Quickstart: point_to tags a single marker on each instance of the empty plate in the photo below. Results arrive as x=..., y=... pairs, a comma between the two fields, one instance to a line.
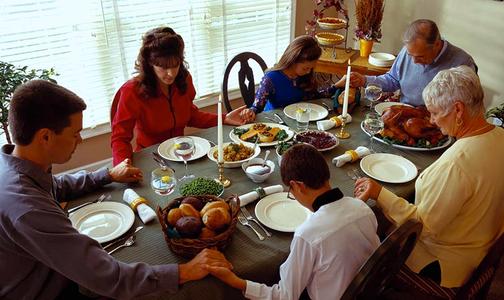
x=317, y=112
x=103, y=221
x=167, y=150
x=281, y=213
x=389, y=168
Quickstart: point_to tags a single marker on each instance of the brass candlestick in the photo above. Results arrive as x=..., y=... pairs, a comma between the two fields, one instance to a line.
x=222, y=179
x=342, y=134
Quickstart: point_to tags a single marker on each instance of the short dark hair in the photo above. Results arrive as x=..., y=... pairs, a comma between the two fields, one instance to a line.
x=39, y=104
x=303, y=162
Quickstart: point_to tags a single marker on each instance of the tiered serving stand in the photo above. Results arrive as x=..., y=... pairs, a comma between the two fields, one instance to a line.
x=330, y=38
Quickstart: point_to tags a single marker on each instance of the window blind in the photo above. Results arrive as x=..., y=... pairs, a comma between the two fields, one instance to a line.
x=93, y=44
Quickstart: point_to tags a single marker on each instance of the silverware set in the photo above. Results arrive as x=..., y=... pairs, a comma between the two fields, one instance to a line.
x=275, y=118
x=161, y=161
x=101, y=198
x=355, y=174
x=244, y=219
x=126, y=241
x=329, y=109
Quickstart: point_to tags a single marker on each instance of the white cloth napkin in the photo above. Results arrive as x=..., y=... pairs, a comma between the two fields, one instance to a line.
x=332, y=122
x=254, y=195
x=347, y=157
x=144, y=211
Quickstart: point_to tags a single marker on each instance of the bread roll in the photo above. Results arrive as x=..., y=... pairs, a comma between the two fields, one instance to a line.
x=207, y=233
x=214, y=204
x=173, y=215
x=188, y=210
x=189, y=227
x=216, y=218
x=195, y=202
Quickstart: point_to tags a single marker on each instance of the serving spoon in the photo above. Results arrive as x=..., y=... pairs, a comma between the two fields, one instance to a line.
x=259, y=169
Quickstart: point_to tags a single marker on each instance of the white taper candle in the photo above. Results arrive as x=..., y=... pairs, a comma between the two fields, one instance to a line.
x=347, y=88
x=219, y=130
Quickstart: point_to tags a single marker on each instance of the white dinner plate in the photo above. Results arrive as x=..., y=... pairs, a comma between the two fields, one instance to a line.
x=235, y=138
x=404, y=147
x=167, y=150
x=388, y=167
x=103, y=221
x=317, y=112
x=238, y=163
x=380, y=107
x=280, y=213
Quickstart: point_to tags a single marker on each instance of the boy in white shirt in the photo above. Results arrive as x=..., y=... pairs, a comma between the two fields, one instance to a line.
x=329, y=248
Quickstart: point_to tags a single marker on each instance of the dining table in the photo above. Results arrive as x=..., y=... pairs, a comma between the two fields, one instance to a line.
x=252, y=258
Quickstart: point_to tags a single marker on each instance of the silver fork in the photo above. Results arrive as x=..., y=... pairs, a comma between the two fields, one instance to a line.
x=102, y=198
x=127, y=243
x=245, y=222
x=249, y=217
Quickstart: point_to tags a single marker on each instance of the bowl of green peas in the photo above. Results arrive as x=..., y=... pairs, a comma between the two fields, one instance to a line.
x=200, y=186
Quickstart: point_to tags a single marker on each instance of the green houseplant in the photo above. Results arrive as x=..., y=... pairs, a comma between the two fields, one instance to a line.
x=10, y=78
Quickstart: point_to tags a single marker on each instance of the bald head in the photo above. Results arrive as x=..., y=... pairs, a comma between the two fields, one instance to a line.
x=422, y=29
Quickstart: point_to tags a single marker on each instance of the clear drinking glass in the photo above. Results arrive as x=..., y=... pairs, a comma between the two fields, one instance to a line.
x=184, y=149
x=163, y=181
x=373, y=123
x=303, y=117
x=373, y=92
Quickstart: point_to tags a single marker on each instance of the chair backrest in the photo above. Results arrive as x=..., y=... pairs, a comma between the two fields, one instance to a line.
x=113, y=108
x=384, y=263
x=478, y=285
x=245, y=73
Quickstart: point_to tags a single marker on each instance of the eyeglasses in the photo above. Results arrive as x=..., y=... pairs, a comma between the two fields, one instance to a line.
x=289, y=195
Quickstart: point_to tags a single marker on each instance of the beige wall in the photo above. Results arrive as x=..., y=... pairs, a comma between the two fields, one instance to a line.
x=474, y=25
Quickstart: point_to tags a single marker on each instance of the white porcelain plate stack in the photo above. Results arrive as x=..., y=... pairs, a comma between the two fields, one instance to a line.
x=381, y=59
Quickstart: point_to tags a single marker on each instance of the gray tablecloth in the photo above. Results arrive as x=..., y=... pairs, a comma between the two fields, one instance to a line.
x=252, y=259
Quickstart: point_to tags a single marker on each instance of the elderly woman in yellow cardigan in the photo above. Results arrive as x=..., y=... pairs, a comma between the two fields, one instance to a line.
x=460, y=197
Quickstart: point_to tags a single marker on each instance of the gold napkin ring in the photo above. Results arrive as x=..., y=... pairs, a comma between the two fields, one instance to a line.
x=137, y=202
x=260, y=192
x=337, y=121
x=353, y=154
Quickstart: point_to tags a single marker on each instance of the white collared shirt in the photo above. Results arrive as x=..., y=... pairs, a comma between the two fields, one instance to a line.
x=326, y=253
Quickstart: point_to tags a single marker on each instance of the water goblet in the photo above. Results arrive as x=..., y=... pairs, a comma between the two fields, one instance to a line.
x=373, y=123
x=302, y=117
x=163, y=181
x=184, y=149
x=373, y=92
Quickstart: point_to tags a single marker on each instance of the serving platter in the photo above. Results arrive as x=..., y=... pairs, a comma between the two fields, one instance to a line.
x=236, y=138
x=446, y=144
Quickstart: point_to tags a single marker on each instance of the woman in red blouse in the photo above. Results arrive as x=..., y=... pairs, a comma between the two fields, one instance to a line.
x=158, y=102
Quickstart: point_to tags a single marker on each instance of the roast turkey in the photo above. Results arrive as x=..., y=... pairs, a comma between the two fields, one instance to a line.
x=409, y=124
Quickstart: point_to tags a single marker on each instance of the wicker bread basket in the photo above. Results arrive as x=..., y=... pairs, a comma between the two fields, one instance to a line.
x=187, y=247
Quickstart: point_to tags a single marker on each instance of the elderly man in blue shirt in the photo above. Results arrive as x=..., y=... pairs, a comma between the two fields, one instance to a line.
x=424, y=54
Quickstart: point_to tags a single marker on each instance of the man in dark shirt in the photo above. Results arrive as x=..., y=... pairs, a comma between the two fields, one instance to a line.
x=41, y=254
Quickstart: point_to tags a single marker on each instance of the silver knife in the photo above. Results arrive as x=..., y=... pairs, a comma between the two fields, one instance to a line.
x=121, y=240
x=161, y=161
x=280, y=120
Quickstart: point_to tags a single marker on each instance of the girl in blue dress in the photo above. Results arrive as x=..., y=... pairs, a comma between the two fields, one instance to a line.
x=291, y=80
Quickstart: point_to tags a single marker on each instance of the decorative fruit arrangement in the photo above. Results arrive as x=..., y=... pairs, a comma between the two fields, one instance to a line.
x=194, y=218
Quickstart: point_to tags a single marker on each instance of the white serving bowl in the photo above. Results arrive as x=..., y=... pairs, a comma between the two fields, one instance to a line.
x=381, y=59
x=255, y=177
x=235, y=164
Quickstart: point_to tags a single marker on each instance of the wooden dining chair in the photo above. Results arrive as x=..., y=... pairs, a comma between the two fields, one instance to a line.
x=245, y=78
x=476, y=287
x=384, y=263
